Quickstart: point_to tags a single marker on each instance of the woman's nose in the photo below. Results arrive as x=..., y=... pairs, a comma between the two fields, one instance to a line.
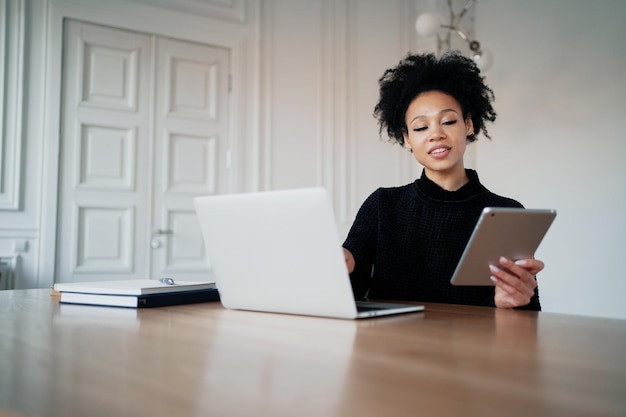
x=436, y=133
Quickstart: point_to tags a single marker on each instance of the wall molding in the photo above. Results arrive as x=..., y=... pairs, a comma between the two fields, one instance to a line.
x=337, y=109
x=267, y=83
x=233, y=10
x=12, y=18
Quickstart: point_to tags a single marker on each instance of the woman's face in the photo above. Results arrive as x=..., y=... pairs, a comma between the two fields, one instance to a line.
x=437, y=134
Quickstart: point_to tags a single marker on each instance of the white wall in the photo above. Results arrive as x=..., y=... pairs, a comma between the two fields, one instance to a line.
x=558, y=142
x=321, y=64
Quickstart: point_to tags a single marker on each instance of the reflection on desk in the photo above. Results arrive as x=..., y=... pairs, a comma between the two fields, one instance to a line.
x=205, y=360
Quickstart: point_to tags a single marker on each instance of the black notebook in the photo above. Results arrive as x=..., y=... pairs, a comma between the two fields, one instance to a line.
x=141, y=301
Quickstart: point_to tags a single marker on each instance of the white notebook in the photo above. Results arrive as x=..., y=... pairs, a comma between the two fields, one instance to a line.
x=131, y=287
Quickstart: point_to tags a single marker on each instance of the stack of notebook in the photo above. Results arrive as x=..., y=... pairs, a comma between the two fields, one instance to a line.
x=136, y=293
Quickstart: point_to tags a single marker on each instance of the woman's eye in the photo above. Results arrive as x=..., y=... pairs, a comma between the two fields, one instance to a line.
x=449, y=122
x=420, y=129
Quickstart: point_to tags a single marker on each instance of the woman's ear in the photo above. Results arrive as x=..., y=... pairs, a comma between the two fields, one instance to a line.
x=469, y=125
x=406, y=145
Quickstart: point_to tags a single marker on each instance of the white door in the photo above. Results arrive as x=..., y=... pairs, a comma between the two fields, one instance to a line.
x=144, y=129
x=191, y=151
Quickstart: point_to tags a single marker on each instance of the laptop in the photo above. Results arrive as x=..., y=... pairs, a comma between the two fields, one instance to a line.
x=279, y=252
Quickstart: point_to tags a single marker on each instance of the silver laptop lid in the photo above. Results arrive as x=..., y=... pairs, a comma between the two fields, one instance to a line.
x=277, y=251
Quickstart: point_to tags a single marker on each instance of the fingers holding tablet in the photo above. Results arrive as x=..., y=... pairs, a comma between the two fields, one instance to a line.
x=514, y=281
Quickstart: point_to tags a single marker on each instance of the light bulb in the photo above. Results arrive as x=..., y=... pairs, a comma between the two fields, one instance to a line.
x=427, y=24
x=484, y=59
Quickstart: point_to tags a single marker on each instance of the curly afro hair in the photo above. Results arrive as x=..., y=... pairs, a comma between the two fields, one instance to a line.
x=452, y=74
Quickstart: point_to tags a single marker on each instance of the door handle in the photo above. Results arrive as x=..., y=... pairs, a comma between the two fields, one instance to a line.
x=156, y=242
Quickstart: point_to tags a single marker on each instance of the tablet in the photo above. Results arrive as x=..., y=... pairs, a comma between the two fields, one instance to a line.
x=514, y=233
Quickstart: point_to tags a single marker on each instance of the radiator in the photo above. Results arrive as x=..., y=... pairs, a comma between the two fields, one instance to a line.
x=8, y=270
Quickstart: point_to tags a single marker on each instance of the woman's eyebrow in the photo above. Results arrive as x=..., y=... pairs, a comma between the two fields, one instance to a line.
x=421, y=116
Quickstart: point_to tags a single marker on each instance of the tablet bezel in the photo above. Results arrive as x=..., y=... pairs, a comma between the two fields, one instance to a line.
x=514, y=233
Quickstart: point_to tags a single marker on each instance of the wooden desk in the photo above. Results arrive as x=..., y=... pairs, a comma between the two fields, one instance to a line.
x=201, y=360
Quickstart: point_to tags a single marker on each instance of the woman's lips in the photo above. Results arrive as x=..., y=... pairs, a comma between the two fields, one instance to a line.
x=439, y=152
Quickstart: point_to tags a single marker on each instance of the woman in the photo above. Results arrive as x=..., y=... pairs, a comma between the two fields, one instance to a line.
x=406, y=241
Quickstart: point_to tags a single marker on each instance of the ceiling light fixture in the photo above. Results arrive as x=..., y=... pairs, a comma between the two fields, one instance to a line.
x=429, y=24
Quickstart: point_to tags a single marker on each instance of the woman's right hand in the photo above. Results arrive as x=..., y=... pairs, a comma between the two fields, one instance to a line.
x=349, y=260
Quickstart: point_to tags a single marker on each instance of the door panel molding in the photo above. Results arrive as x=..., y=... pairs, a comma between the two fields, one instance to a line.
x=103, y=63
x=199, y=103
x=103, y=241
x=186, y=251
x=188, y=162
x=106, y=155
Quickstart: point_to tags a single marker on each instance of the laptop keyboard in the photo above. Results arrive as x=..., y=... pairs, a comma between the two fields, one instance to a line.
x=367, y=306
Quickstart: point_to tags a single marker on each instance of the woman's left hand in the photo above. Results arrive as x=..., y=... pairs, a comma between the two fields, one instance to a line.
x=515, y=281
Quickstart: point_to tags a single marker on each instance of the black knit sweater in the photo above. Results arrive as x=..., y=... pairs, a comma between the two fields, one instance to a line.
x=407, y=241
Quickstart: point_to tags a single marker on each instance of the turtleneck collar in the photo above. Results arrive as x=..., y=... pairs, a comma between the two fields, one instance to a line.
x=435, y=192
